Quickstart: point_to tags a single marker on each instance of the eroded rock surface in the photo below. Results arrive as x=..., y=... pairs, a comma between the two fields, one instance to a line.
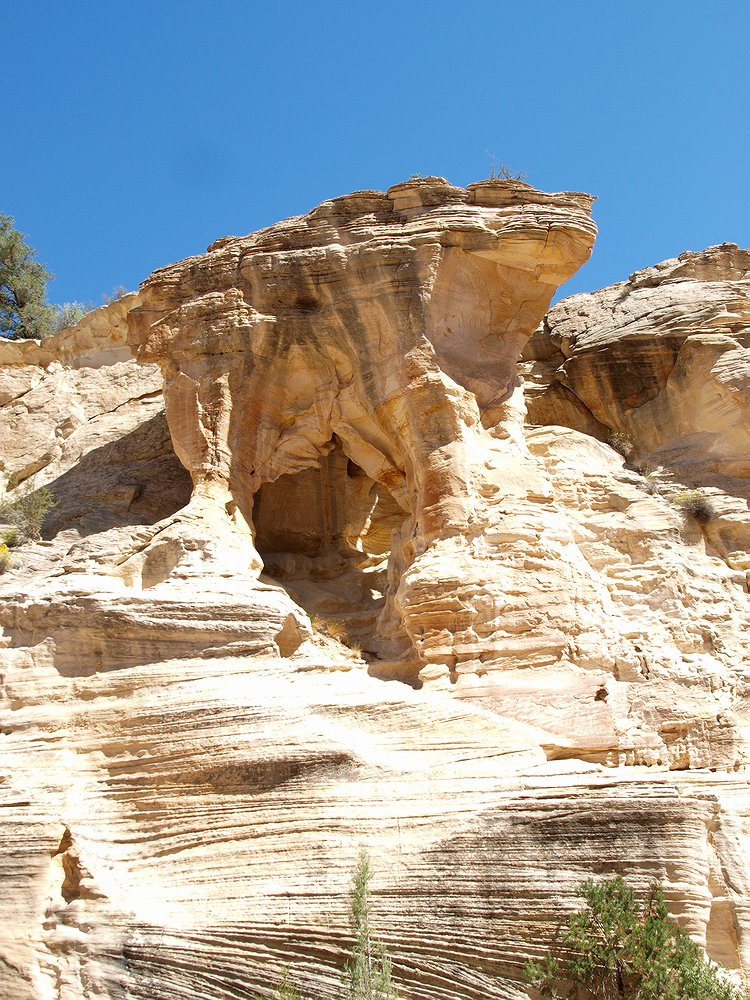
x=197, y=735
x=661, y=358
x=386, y=326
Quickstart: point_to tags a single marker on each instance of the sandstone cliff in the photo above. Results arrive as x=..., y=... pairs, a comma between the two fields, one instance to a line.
x=300, y=465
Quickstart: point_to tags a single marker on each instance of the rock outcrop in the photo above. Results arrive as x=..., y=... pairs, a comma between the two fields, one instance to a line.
x=316, y=473
x=661, y=359
x=374, y=341
x=660, y=365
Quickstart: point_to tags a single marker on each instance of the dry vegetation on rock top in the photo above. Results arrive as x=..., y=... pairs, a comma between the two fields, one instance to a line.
x=316, y=472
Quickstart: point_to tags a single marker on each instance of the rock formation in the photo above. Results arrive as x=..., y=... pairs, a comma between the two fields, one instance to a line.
x=661, y=359
x=374, y=341
x=198, y=735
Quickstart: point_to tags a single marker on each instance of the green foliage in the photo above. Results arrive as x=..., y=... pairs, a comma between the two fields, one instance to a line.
x=618, y=948
x=26, y=514
x=24, y=311
x=368, y=971
x=4, y=558
x=69, y=313
x=695, y=504
x=10, y=537
x=367, y=974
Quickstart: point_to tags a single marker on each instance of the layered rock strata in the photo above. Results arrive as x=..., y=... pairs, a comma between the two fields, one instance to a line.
x=197, y=738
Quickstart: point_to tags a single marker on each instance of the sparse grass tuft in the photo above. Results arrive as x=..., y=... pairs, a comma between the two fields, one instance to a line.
x=644, y=467
x=331, y=627
x=335, y=629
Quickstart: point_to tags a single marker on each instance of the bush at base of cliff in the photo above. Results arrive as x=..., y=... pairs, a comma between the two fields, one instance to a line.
x=617, y=948
x=622, y=443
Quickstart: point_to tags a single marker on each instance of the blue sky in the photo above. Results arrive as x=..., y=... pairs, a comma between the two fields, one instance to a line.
x=138, y=131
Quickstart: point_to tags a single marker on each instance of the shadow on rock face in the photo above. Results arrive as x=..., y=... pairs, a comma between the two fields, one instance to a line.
x=136, y=479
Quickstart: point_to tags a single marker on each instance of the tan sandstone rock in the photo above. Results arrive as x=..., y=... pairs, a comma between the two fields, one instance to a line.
x=661, y=358
x=384, y=328
x=192, y=756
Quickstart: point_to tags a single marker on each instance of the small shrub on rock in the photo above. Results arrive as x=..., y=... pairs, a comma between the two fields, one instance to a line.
x=621, y=442
x=117, y=293
x=695, y=504
x=368, y=972
x=10, y=537
x=26, y=514
x=283, y=990
x=69, y=313
x=618, y=947
x=502, y=172
x=331, y=627
x=4, y=558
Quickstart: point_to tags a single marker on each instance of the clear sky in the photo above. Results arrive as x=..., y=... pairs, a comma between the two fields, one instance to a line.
x=138, y=131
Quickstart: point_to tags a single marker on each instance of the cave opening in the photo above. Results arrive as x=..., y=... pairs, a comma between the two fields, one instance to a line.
x=325, y=534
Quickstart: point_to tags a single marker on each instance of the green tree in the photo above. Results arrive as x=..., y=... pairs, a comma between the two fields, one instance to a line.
x=368, y=971
x=617, y=948
x=24, y=311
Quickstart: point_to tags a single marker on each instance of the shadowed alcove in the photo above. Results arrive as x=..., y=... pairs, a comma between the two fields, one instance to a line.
x=326, y=535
